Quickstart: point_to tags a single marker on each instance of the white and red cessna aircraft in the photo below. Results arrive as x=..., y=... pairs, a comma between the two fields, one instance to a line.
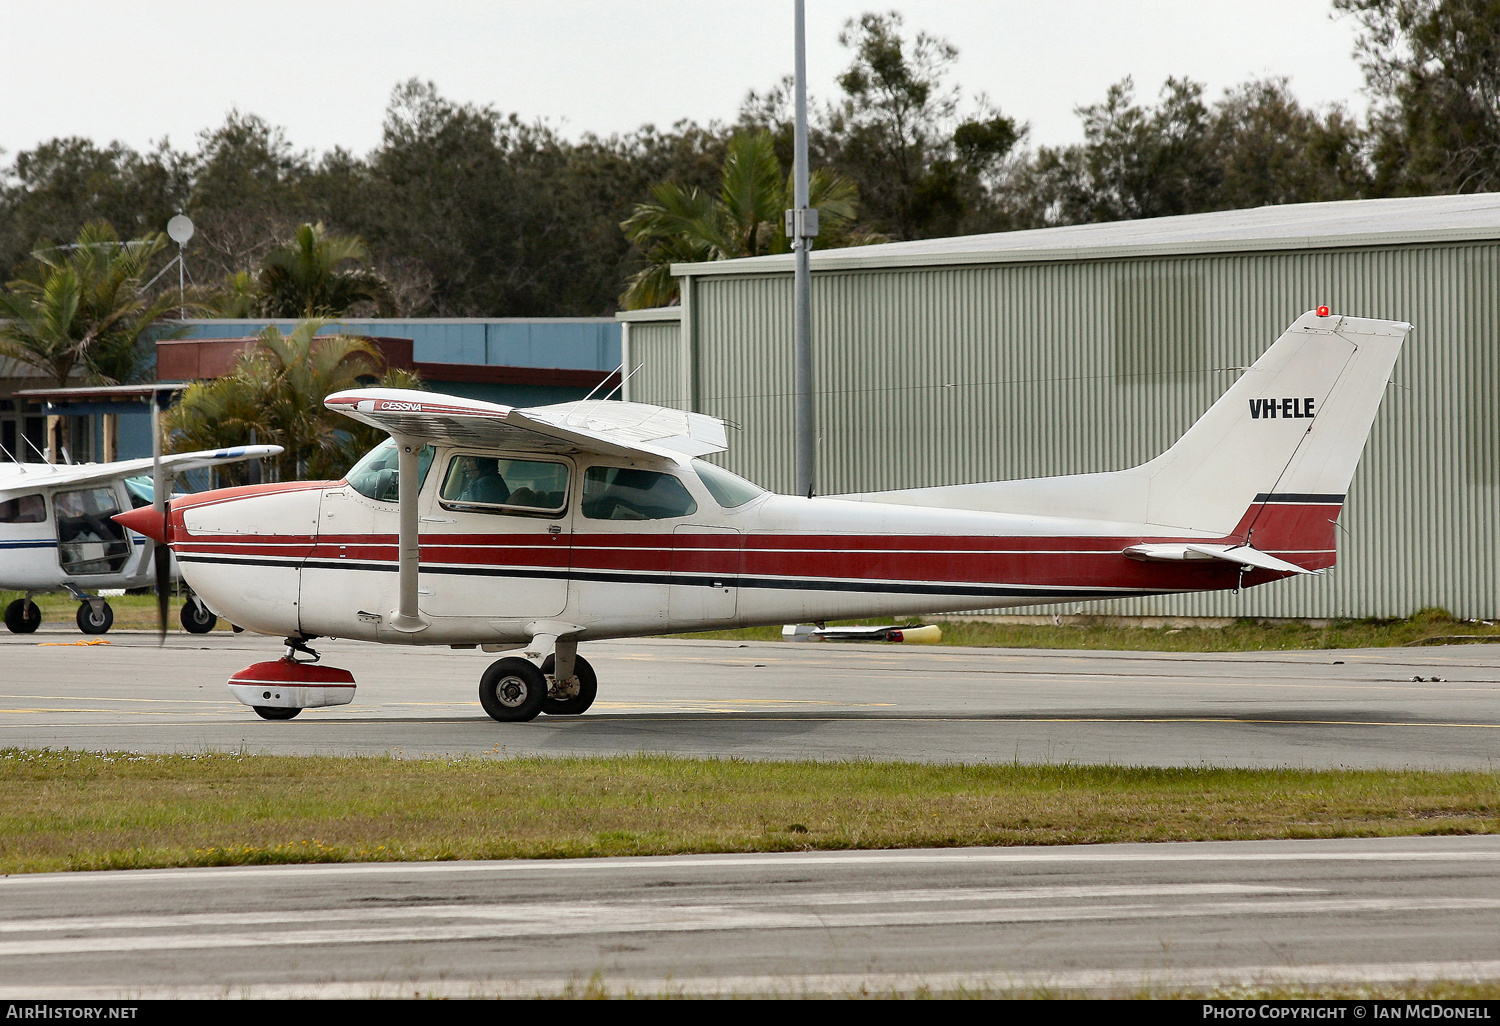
x=479, y=525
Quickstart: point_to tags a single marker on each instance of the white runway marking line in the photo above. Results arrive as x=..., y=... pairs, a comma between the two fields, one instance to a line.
x=186, y=920
x=566, y=918
x=768, y=860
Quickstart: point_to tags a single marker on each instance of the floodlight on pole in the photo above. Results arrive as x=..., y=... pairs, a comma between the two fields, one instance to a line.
x=180, y=230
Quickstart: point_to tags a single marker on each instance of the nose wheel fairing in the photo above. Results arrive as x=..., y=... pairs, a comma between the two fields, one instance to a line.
x=287, y=683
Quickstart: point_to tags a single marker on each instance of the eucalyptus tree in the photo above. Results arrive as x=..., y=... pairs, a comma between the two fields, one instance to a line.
x=81, y=309
x=682, y=224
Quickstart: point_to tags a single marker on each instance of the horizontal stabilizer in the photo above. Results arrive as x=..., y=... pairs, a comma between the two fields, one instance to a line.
x=931, y=634
x=1244, y=555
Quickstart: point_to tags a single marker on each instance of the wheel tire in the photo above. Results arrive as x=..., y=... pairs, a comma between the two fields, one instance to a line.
x=512, y=690
x=91, y=623
x=588, y=688
x=271, y=712
x=22, y=616
x=197, y=618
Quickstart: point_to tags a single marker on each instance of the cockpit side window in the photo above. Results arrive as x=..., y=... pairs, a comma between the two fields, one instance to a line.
x=625, y=493
x=493, y=484
x=376, y=476
x=23, y=509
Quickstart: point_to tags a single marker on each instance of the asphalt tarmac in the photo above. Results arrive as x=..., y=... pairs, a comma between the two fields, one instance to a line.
x=776, y=700
x=1105, y=919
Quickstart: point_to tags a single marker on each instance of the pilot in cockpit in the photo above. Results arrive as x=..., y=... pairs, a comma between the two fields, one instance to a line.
x=483, y=482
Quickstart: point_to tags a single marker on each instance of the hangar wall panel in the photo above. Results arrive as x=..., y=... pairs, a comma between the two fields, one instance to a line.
x=945, y=375
x=655, y=363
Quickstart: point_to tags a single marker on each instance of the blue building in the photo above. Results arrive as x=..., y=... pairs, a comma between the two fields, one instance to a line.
x=516, y=361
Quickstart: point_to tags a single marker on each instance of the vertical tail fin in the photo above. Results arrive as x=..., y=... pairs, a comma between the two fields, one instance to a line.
x=1294, y=424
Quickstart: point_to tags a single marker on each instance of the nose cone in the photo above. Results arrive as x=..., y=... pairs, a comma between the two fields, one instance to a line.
x=147, y=520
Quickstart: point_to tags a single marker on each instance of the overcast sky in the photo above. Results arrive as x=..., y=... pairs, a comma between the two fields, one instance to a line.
x=324, y=69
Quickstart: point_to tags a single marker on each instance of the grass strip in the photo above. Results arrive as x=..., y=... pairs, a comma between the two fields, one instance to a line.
x=1428, y=626
x=67, y=810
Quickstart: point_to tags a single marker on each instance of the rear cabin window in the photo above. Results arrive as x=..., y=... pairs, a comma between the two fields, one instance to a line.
x=624, y=493
x=491, y=484
x=376, y=475
x=24, y=509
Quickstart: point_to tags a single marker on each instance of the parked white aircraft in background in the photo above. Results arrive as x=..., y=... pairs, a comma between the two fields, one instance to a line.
x=478, y=525
x=56, y=534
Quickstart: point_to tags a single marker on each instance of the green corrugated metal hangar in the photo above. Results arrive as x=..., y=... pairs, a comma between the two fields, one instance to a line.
x=1093, y=347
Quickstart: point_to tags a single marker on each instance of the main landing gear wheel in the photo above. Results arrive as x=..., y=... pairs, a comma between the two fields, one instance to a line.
x=91, y=621
x=512, y=690
x=583, y=687
x=22, y=616
x=196, y=617
x=270, y=712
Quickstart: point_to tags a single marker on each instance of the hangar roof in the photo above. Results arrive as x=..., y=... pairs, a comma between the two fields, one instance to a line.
x=1339, y=225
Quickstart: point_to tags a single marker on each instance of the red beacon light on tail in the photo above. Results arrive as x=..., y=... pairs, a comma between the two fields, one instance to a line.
x=1322, y=311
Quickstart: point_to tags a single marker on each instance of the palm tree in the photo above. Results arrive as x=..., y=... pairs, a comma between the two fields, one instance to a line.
x=276, y=391
x=310, y=277
x=81, y=308
x=687, y=225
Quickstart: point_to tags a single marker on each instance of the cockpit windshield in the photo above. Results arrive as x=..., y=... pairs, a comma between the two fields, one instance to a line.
x=375, y=476
x=729, y=490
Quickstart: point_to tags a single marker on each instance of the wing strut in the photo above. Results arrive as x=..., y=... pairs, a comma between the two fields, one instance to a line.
x=408, y=618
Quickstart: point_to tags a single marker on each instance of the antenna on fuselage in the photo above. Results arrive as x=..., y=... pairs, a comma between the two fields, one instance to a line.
x=579, y=408
x=621, y=386
x=13, y=458
x=42, y=455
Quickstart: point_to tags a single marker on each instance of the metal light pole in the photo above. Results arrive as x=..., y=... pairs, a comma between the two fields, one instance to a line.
x=802, y=226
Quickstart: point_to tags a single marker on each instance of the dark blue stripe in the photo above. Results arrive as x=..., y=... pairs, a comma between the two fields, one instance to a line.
x=1319, y=498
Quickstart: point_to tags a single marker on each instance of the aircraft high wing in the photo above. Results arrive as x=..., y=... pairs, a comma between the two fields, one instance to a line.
x=482, y=526
x=57, y=533
x=599, y=426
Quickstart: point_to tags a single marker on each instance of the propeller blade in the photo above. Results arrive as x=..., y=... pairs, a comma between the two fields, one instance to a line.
x=160, y=554
x=163, y=557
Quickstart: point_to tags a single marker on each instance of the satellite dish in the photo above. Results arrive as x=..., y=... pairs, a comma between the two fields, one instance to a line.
x=180, y=228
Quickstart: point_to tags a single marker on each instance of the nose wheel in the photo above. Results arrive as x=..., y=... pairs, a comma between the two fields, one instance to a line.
x=95, y=616
x=196, y=617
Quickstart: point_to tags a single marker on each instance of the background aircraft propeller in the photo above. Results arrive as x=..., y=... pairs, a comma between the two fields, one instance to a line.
x=160, y=554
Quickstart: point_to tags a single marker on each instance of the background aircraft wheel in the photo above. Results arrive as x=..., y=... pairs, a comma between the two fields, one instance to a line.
x=588, y=687
x=268, y=712
x=91, y=622
x=23, y=616
x=512, y=690
x=197, y=618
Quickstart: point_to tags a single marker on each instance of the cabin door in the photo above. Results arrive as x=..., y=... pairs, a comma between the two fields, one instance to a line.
x=705, y=573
